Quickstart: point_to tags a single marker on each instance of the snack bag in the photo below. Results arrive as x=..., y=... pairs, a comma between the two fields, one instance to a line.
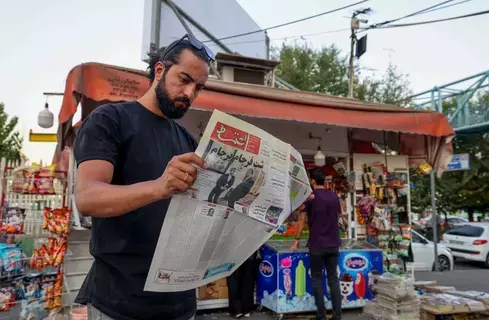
x=30, y=179
x=47, y=217
x=46, y=256
x=7, y=296
x=13, y=221
x=59, y=255
x=47, y=289
x=12, y=259
x=58, y=291
x=32, y=287
x=45, y=180
x=18, y=180
x=45, y=186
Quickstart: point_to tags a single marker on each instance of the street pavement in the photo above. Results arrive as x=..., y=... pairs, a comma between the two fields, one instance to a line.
x=466, y=276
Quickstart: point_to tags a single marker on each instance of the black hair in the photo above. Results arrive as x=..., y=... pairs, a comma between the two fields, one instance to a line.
x=172, y=56
x=318, y=176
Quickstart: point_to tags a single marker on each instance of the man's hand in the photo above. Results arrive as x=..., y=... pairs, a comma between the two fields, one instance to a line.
x=294, y=246
x=179, y=174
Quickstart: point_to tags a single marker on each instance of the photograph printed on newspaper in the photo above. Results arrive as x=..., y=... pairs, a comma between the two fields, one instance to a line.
x=252, y=184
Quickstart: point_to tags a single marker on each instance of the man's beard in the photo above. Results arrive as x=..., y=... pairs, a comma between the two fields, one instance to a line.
x=167, y=105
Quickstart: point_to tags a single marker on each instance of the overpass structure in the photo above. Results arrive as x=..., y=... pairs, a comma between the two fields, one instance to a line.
x=465, y=102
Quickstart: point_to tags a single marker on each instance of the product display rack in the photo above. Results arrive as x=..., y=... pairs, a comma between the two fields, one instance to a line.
x=34, y=240
x=383, y=206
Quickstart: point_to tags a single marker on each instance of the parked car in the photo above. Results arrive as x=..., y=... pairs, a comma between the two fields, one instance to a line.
x=423, y=254
x=469, y=241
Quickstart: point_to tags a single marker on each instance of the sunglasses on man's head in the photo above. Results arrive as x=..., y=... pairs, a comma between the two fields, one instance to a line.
x=196, y=44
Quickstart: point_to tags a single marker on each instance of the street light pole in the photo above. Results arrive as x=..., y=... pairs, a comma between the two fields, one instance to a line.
x=352, y=48
x=434, y=216
x=354, y=24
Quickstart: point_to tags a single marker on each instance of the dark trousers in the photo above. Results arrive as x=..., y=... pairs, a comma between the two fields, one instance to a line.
x=241, y=286
x=330, y=259
x=215, y=194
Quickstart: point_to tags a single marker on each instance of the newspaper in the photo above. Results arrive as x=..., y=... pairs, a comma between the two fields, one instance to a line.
x=252, y=184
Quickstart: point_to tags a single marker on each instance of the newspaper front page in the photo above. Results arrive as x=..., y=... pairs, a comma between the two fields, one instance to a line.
x=252, y=184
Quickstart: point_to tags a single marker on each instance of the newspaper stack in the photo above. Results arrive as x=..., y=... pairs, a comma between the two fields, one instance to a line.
x=395, y=299
x=449, y=303
x=253, y=181
x=474, y=295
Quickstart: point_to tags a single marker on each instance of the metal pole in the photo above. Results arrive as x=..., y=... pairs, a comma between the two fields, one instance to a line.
x=434, y=215
x=351, y=71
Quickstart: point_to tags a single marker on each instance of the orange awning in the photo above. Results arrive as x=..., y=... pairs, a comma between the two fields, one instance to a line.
x=93, y=84
x=106, y=83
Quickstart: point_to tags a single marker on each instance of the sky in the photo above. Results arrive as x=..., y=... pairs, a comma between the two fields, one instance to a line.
x=41, y=41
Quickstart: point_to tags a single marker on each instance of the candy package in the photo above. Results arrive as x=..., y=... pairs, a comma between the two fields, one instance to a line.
x=13, y=221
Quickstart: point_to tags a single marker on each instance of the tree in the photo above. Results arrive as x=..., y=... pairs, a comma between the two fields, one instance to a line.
x=460, y=190
x=10, y=139
x=392, y=88
x=326, y=71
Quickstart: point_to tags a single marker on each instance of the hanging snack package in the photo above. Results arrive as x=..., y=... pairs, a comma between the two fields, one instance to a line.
x=45, y=180
x=58, y=291
x=32, y=288
x=13, y=221
x=36, y=261
x=406, y=232
x=66, y=215
x=404, y=248
x=18, y=180
x=30, y=179
x=7, y=296
x=46, y=256
x=47, y=217
x=59, y=254
x=11, y=259
x=340, y=168
x=47, y=289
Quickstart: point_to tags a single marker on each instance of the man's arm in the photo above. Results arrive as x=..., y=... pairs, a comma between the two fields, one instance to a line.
x=96, y=152
x=96, y=197
x=300, y=224
x=300, y=227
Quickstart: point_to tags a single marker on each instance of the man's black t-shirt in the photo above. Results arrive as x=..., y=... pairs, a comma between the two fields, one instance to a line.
x=139, y=144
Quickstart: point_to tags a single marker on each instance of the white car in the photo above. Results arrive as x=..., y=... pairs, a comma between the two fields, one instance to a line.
x=423, y=255
x=469, y=241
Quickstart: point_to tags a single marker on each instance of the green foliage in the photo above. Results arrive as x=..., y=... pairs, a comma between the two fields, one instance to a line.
x=460, y=190
x=326, y=71
x=10, y=139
